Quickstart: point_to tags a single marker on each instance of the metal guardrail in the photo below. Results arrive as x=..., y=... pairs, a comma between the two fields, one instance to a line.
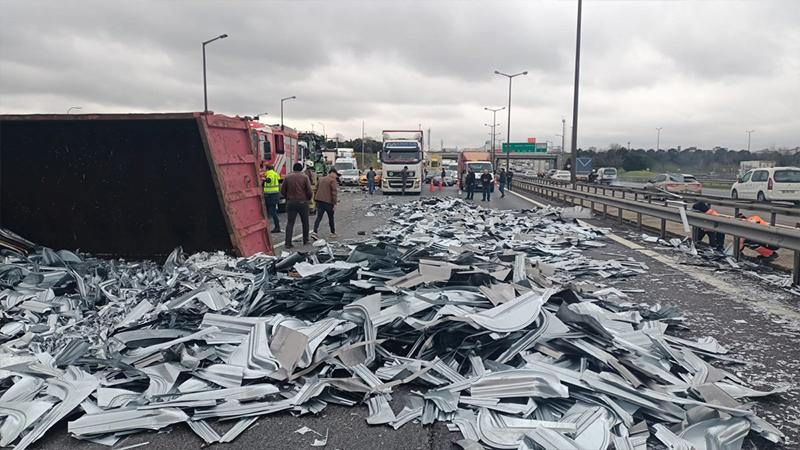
x=783, y=237
x=649, y=195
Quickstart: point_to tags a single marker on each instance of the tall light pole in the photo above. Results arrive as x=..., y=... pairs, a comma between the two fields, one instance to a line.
x=73, y=107
x=324, y=132
x=362, y=145
x=574, y=143
x=494, y=120
x=283, y=100
x=205, y=86
x=508, y=127
x=658, y=138
x=749, y=132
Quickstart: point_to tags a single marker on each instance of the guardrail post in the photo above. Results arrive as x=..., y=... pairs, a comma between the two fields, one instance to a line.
x=772, y=217
x=796, y=269
x=605, y=210
x=695, y=234
x=619, y=215
x=663, y=228
x=639, y=221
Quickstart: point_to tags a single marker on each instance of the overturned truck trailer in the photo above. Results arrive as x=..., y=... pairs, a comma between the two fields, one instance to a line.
x=133, y=185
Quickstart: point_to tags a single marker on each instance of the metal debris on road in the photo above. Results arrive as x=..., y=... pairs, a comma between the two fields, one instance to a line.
x=498, y=323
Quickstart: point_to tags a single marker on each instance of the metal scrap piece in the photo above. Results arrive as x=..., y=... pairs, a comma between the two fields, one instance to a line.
x=519, y=383
x=72, y=388
x=379, y=410
x=125, y=420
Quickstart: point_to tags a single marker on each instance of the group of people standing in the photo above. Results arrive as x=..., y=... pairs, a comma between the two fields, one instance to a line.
x=504, y=181
x=305, y=193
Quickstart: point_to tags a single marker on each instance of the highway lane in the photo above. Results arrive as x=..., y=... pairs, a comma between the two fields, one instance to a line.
x=756, y=337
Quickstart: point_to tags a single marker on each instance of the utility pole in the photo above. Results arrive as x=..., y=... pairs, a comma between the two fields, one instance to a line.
x=574, y=142
x=494, y=122
x=205, y=87
x=429, y=139
x=629, y=145
x=658, y=138
x=508, y=126
x=749, y=132
x=362, y=145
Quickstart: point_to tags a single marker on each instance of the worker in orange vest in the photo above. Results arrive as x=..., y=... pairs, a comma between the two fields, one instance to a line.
x=763, y=250
x=715, y=239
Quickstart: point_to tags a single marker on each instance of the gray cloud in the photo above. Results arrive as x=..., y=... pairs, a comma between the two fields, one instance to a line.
x=705, y=71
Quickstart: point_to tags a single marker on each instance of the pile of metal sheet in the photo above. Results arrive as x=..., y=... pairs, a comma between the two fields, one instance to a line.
x=495, y=322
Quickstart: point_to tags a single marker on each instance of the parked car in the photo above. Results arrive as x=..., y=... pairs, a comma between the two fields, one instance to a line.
x=362, y=181
x=552, y=172
x=562, y=175
x=349, y=177
x=606, y=175
x=675, y=182
x=768, y=184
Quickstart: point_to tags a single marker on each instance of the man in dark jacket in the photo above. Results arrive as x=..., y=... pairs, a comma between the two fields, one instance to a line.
x=486, y=181
x=296, y=189
x=404, y=178
x=469, y=180
x=509, y=179
x=327, y=197
x=501, y=182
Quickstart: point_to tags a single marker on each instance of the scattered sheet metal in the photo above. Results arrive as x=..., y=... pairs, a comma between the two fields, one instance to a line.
x=501, y=320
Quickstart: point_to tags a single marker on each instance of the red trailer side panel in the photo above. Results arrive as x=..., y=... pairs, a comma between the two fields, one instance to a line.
x=234, y=166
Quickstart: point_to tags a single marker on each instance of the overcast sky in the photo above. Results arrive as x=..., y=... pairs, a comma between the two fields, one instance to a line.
x=705, y=71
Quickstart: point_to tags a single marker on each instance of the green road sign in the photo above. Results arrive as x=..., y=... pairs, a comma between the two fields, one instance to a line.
x=524, y=147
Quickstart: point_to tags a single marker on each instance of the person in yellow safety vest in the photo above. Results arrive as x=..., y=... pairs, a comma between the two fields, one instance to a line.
x=312, y=176
x=272, y=196
x=715, y=239
x=764, y=251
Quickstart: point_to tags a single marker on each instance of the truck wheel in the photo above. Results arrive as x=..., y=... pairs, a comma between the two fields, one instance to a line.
x=761, y=197
x=734, y=195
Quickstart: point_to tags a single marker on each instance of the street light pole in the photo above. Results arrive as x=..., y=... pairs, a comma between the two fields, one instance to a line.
x=205, y=86
x=508, y=126
x=749, y=132
x=494, y=120
x=283, y=100
x=362, y=145
x=658, y=138
x=574, y=143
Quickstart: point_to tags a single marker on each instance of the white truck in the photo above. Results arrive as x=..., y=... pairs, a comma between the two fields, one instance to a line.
x=746, y=166
x=402, y=149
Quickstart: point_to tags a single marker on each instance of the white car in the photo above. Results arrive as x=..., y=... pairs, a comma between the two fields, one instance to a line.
x=606, y=175
x=562, y=175
x=768, y=184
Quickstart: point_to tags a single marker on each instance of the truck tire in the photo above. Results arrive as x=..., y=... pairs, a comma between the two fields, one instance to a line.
x=734, y=195
x=761, y=198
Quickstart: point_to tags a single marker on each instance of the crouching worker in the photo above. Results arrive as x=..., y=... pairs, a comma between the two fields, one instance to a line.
x=715, y=239
x=768, y=252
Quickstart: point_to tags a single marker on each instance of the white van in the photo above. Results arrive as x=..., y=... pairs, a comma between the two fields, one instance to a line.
x=768, y=184
x=606, y=175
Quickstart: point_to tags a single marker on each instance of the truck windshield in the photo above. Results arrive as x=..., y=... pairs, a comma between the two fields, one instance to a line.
x=404, y=156
x=340, y=166
x=478, y=167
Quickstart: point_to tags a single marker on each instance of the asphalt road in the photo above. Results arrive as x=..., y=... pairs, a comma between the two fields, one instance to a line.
x=758, y=323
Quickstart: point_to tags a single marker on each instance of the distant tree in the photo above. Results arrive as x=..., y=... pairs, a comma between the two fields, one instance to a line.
x=634, y=161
